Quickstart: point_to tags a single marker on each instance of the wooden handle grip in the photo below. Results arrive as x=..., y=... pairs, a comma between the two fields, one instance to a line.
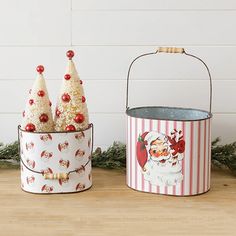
x=56, y=176
x=170, y=50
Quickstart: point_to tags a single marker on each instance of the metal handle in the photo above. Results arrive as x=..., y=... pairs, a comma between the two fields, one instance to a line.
x=168, y=50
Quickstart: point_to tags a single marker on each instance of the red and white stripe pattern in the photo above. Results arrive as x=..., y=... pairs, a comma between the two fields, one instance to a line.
x=196, y=164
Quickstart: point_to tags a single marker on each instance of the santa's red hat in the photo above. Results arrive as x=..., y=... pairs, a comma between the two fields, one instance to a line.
x=141, y=151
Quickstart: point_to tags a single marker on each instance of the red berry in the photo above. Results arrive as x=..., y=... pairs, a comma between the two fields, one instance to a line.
x=67, y=76
x=70, y=128
x=43, y=118
x=30, y=127
x=79, y=118
x=58, y=113
x=83, y=99
x=31, y=101
x=70, y=54
x=81, y=82
x=40, y=69
x=23, y=113
x=41, y=93
x=65, y=97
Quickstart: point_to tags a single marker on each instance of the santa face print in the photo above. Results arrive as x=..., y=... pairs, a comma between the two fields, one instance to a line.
x=81, y=171
x=79, y=154
x=47, y=171
x=80, y=187
x=63, y=182
x=80, y=136
x=46, y=189
x=30, y=180
x=63, y=147
x=30, y=163
x=29, y=147
x=160, y=157
x=64, y=164
x=46, y=138
x=159, y=150
x=46, y=156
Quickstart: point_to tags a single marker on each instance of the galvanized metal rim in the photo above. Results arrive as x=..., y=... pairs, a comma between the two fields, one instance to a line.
x=209, y=114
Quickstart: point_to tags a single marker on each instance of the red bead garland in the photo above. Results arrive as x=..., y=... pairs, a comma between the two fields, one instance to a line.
x=70, y=128
x=30, y=127
x=43, y=118
x=41, y=93
x=65, y=97
x=31, y=101
x=40, y=69
x=67, y=76
x=79, y=118
x=70, y=54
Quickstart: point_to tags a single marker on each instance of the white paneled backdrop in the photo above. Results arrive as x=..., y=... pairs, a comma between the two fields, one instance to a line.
x=105, y=36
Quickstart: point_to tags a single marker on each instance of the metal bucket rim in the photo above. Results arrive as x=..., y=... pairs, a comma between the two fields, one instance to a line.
x=209, y=114
x=56, y=132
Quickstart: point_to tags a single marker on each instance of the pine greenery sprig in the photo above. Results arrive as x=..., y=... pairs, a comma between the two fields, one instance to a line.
x=223, y=156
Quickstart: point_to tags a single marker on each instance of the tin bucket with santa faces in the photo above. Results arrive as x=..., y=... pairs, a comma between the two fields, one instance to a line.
x=56, y=162
x=168, y=148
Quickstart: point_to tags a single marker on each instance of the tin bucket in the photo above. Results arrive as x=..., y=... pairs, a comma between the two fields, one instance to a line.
x=56, y=162
x=168, y=148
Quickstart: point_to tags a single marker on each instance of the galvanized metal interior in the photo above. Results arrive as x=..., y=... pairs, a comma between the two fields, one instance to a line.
x=168, y=113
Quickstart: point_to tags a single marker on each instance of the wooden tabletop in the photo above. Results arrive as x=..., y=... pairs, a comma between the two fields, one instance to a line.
x=111, y=208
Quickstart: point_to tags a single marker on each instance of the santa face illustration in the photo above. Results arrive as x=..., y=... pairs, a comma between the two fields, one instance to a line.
x=63, y=147
x=63, y=182
x=81, y=171
x=64, y=164
x=29, y=147
x=47, y=171
x=30, y=180
x=159, y=157
x=30, y=163
x=46, y=138
x=46, y=156
x=79, y=136
x=79, y=154
x=46, y=189
x=80, y=187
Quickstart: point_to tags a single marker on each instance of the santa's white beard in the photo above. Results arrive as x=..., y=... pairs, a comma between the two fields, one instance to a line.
x=163, y=174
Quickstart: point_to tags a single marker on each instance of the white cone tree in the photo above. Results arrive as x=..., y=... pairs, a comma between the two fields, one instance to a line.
x=37, y=116
x=71, y=111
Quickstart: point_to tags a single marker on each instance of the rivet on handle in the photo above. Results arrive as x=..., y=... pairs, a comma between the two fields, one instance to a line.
x=56, y=176
x=170, y=50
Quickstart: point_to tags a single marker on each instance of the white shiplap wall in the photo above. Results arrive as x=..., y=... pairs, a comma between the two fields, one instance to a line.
x=106, y=35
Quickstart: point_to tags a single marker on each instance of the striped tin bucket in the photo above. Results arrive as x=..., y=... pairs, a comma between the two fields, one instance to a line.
x=168, y=148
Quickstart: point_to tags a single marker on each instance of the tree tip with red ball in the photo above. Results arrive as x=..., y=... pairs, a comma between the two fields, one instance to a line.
x=40, y=69
x=70, y=54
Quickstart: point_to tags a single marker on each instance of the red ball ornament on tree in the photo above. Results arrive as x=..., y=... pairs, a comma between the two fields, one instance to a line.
x=43, y=118
x=79, y=118
x=30, y=127
x=67, y=76
x=70, y=128
x=65, y=97
x=70, y=54
x=58, y=113
x=41, y=93
x=40, y=69
x=83, y=99
x=31, y=101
